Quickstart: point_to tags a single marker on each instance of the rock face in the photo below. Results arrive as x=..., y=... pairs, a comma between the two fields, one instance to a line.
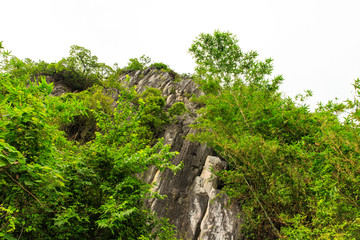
x=59, y=86
x=192, y=204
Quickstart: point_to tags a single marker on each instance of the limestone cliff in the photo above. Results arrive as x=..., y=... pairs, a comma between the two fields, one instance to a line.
x=192, y=204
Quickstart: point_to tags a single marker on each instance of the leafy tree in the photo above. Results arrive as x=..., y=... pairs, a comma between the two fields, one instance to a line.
x=54, y=188
x=295, y=172
x=30, y=155
x=114, y=195
x=221, y=62
x=81, y=70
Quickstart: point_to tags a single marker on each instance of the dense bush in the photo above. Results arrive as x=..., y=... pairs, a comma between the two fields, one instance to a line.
x=295, y=173
x=54, y=188
x=177, y=109
x=152, y=103
x=160, y=66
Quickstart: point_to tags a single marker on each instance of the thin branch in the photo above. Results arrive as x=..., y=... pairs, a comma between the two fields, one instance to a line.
x=242, y=113
x=262, y=207
x=4, y=225
x=22, y=229
x=23, y=188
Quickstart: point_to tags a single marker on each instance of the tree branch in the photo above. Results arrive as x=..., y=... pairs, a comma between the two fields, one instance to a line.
x=23, y=188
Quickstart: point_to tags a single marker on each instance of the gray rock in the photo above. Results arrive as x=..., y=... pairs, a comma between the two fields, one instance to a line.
x=192, y=204
x=59, y=86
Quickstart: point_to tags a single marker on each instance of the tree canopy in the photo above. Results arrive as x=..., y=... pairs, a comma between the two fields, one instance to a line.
x=294, y=172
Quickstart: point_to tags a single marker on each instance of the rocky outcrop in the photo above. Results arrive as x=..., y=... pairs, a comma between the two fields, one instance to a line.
x=219, y=221
x=192, y=203
x=60, y=87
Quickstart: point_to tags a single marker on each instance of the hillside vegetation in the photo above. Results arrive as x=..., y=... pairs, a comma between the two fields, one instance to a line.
x=68, y=163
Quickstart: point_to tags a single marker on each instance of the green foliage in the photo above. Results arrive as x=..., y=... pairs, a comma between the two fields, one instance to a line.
x=152, y=104
x=80, y=70
x=4, y=57
x=30, y=153
x=221, y=62
x=177, y=109
x=82, y=127
x=112, y=79
x=161, y=66
x=54, y=188
x=138, y=64
x=177, y=80
x=295, y=172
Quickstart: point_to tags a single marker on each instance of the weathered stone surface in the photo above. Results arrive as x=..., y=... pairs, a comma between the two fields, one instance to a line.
x=59, y=86
x=191, y=203
x=218, y=220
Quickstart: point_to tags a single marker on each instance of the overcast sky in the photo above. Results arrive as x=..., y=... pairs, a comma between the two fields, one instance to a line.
x=315, y=44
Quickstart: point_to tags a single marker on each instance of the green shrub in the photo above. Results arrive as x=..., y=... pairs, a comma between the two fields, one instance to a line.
x=177, y=109
x=153, y=113
x=135, y=64
x=160, y=66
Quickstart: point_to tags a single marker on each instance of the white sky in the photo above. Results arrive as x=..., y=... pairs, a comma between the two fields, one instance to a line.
x=315, y=44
